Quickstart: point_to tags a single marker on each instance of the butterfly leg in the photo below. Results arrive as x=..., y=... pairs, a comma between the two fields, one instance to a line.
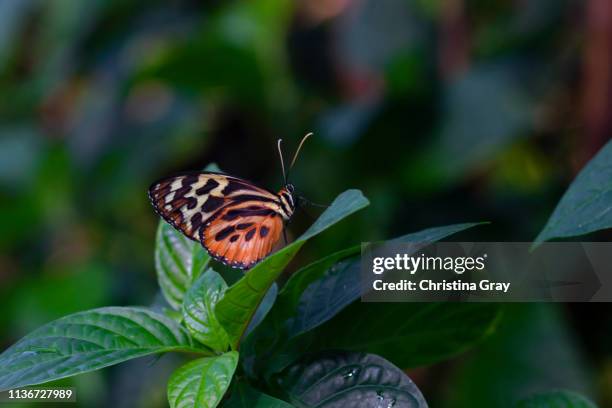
x=306, y=201
x=285, y=236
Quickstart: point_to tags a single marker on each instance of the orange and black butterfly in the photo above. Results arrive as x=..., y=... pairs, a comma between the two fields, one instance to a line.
x=237, y=222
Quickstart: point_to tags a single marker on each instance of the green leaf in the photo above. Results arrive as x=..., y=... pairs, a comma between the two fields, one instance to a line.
x=586, y=206
x=244, y=396
x=238, y=305
x=213, y=167
x=202, y=383
x=290, y=295
x=322, y=289
x=556, y=399
x=408, y=334
x=434, y=234
x=178, y=261
x=344, y=379
x=88, y=341
x=263, y=309
x=199, y=310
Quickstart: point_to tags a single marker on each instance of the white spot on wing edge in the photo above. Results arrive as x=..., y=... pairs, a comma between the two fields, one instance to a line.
x=176, y=184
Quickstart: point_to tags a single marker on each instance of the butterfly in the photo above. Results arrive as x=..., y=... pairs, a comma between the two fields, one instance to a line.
x=236, y=221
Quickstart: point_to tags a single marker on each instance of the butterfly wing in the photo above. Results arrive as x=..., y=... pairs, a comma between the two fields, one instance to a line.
x=202, y=205
x=242, y=234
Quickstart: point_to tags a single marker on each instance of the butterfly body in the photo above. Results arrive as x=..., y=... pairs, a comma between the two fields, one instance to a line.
x=237, y=222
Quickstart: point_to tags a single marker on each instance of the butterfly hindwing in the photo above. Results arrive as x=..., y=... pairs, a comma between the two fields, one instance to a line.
x=208, y=206
x=242, y=235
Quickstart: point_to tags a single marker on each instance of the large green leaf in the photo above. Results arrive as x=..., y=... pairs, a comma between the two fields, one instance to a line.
x=202, y=383
x=556, y=399
x=88, y=341
x=408, y=334
x=199, y=310
x=244, y=396
x=238, y=305
x=263, y=309
x=319, y=291
x=343, y=379
x=178, y=261
x=586, y=206
x=290, y=295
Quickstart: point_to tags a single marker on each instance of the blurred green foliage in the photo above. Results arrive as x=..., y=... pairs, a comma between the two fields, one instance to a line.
x=441, y=112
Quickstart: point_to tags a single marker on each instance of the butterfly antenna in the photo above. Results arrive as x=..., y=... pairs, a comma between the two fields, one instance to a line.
x=280, y=154
x=296, y=154
x=298, y=149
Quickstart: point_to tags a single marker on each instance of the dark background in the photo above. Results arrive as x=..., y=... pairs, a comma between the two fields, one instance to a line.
x=439, y=111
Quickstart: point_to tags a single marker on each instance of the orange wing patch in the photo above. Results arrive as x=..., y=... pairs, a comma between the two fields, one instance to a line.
x=241, y=236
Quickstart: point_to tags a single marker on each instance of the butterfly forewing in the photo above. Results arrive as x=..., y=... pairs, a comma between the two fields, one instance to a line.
x=236, y=221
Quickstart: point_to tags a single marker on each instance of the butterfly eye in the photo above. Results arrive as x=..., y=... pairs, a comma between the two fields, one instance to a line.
x=290, y=188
